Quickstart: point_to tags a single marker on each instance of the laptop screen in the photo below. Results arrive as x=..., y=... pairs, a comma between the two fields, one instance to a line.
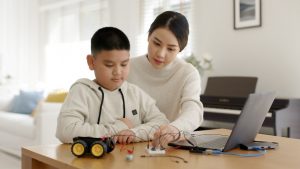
x=250, y=119
x=244, y=130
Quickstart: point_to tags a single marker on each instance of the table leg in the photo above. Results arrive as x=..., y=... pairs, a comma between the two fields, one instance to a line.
x=30, y=163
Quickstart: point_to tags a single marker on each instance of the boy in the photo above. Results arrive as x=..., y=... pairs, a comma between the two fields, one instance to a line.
x=108, y=105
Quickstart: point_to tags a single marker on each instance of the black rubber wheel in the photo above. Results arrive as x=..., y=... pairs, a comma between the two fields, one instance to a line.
x=110, y=145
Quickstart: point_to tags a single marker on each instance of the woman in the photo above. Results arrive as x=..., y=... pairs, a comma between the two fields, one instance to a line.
x=173, y=83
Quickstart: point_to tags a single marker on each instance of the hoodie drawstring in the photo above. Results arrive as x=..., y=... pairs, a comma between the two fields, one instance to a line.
x=123, y=102
x=101, y=104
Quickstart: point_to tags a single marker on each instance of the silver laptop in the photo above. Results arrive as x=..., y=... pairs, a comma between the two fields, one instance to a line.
x=244, y=131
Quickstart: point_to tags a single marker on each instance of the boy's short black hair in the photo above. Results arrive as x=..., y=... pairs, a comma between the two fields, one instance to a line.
x=109, y=38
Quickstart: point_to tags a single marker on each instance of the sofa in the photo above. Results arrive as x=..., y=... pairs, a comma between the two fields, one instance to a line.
x=18, y=130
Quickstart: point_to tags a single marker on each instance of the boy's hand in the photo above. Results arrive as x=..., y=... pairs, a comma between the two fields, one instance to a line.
x=127, y=122
x=125, y=137
x=164, y=135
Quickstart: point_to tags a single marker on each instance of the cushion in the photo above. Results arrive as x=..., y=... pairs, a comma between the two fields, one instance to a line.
x=26, y=101
x=35, y=110
x=57, y=96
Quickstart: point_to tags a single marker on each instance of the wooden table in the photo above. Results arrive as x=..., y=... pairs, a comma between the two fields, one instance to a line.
x=60, y=156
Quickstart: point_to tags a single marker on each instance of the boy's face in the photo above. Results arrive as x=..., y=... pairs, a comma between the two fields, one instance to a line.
x=111, y=67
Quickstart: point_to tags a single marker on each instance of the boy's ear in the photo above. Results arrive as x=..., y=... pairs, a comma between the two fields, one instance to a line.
x=90, y=61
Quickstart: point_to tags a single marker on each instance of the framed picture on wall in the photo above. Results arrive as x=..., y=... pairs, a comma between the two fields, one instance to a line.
x=247, y=13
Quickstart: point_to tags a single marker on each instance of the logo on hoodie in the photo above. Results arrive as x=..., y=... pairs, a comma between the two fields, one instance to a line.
x=134, y=112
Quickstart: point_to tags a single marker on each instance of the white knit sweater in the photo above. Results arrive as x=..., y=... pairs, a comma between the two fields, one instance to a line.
x=176, y=89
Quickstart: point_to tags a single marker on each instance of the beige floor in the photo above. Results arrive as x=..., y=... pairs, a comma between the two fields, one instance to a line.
x=8, y=161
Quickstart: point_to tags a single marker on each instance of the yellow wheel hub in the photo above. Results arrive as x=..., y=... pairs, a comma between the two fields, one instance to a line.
x=78, y=149
x=97, y=150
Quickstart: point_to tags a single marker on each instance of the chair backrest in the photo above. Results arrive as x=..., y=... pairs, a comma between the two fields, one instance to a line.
x=230, y=86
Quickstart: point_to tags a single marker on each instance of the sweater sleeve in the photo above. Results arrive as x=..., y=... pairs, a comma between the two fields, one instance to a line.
x=151, y=118
x=74, y=118
x=191, y=113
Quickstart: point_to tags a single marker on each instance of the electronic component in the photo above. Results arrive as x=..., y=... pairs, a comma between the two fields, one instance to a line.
x=129, y=157
x=155, y=151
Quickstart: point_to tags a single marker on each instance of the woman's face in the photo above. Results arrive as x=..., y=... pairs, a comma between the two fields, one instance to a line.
x=163, y=47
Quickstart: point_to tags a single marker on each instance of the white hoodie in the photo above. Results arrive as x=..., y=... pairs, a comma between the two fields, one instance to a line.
x=80, y=112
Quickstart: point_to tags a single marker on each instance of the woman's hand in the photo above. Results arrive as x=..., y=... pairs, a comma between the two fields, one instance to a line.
x=164, y=135
x=125, y=137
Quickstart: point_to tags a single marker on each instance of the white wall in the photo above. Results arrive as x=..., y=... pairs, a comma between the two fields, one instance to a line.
x=270, y=52
x=19, y=40
x=125, y=14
